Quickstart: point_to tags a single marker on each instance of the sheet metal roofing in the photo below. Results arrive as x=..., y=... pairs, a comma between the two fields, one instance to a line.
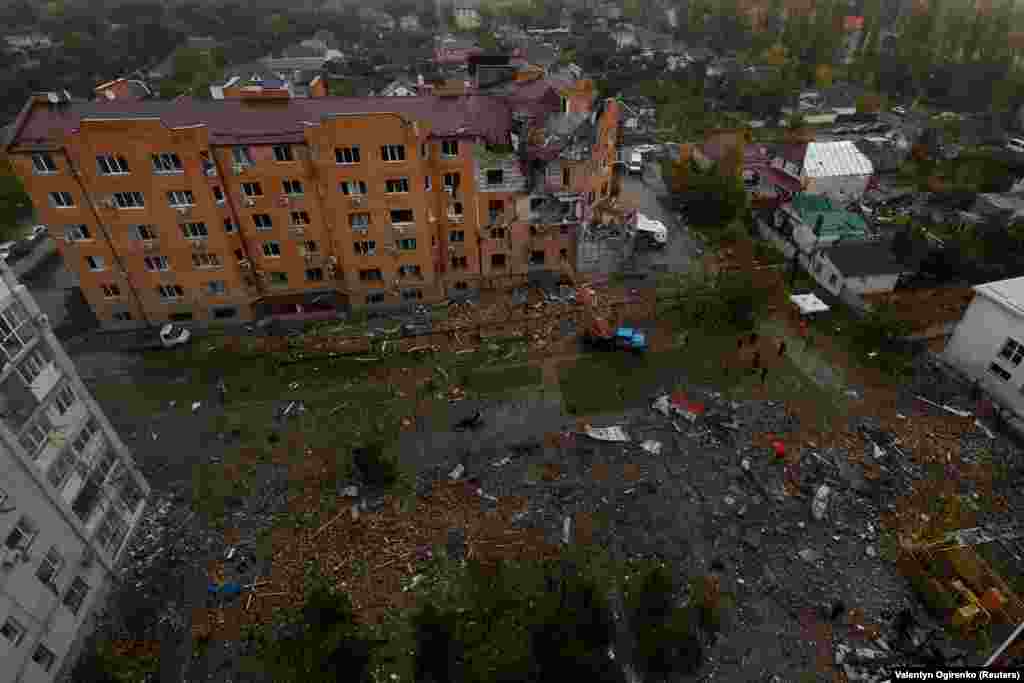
x=841, y=158
x=1008, y=293
x=236, y=122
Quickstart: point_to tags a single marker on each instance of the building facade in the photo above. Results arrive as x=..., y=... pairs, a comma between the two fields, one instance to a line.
x=235, y=209
x=70, y=496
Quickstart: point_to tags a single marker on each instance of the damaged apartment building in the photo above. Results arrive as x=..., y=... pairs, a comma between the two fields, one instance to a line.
x=249, y=207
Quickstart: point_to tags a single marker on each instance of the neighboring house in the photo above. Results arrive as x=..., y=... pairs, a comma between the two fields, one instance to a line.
x=377, y=18
x=410, y=22
x=256, y=79
x=837, y=170
x=401, y=87
x=29, y=41
x=813, y=222
x=71, y=497
x=858, y=267
x=988, y=342
x=625, y=37
x=467, y=14
x=1006, y=208
x=123, y=89
x=853, y=28
x=165, y=69
x=638, y=113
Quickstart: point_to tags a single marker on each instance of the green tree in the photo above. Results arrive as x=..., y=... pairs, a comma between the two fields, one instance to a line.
x=15, y=204
x=714, y=197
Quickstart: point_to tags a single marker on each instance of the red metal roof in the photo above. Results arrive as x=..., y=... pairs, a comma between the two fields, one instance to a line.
x=237, y=122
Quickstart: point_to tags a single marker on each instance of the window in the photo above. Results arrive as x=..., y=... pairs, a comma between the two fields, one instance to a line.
x=424, y=151
x=311, y=247
x=392, y=152
x=15, y=331
x=300, y=218
x=563, y=255
x=225, y=312
x=85, y=436
x=77, y=233
x=292, y=187
x=457, y=236
x=75, y=595
x=42, y=162
x=495, y=208
x=167, y=162
x=262, y=221
x=111, y=531
x=409, y=270
x=455, y=210
x=566, y=177
x=109, y=164
x=209, y=168
x=178, y=198
x=283, y=153
x=278, y=278
x=218, y=194
x=346, y=155
x=194, y=231
x=371, y=274
x=412, y=294
x=401, y=216
x=359, y=221
x=110, y=291
x=62, y=200
x=536, y=258
x=65, y=399
x=22, y=535
x=427, y=187
x=229, y=225
x=497, y=260
x=44, y=657
x=32, y=366
x=375, y=298
x=461, y=285
x=365, y=247
x=50, y=566
x=154, y=263
x=252, y=190
x=272, y=249
x=497, y=233
x=216, y=288
x=353, y=187
x=451, y=181
x=564, y=105
x=35, y=434
x=206, y=261
x=407, y=244
x=142, y=232
x=170, y=292
x=129, y=200
x=1012, y=351
x=12, y=631
x=240, y=156
x=396, y=185
x=536, y=203
x=495, y=177
x=999, y=372
x=460, y=263
x=95, y=263
x=449, y=148
x=314, y=274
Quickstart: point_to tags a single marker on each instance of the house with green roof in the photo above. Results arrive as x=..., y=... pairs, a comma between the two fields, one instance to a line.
x=817, y=223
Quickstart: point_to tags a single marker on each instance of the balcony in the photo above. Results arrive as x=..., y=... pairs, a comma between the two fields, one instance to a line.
x=455, y=219
x=357, y=201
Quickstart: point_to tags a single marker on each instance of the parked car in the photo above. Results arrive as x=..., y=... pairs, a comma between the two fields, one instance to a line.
x=1015, y=145
x=172, y=335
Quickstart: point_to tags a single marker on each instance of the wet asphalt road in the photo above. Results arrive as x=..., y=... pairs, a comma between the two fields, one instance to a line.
x=682, y=250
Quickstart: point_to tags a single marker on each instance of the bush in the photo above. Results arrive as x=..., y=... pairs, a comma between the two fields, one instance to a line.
x=376, y=467
x=667, y=642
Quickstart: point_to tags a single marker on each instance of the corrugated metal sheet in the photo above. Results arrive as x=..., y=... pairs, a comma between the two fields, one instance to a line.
x=827, y=159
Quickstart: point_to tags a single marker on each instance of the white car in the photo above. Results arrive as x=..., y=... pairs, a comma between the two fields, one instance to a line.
x=172, y=335
x=5, y=249
x=1015, y=145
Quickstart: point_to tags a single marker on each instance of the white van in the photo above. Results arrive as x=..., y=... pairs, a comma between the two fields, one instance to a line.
x=653, y=230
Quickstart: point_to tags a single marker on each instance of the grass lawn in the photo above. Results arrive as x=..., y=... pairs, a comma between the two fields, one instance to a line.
x=605, y=382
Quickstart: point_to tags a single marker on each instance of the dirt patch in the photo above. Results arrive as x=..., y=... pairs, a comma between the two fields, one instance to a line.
x=600, y=472
x=631, y=472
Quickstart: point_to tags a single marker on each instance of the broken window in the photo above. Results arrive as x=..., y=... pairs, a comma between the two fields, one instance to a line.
x=1013, y=351
x=497, y=260
x=536, y=258
x=495, y=177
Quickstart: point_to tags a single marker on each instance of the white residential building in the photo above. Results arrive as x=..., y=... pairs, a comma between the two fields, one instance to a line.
x=988, y=342
x=837, y=170
x=70, y=495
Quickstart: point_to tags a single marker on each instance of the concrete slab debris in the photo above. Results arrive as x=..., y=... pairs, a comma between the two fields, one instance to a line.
x=652, y=447
x=607, y=434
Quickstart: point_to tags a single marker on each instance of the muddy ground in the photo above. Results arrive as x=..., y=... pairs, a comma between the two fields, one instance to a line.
x=695, y=504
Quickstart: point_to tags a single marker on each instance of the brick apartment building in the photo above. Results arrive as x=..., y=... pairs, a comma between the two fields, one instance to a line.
x=244, y=207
